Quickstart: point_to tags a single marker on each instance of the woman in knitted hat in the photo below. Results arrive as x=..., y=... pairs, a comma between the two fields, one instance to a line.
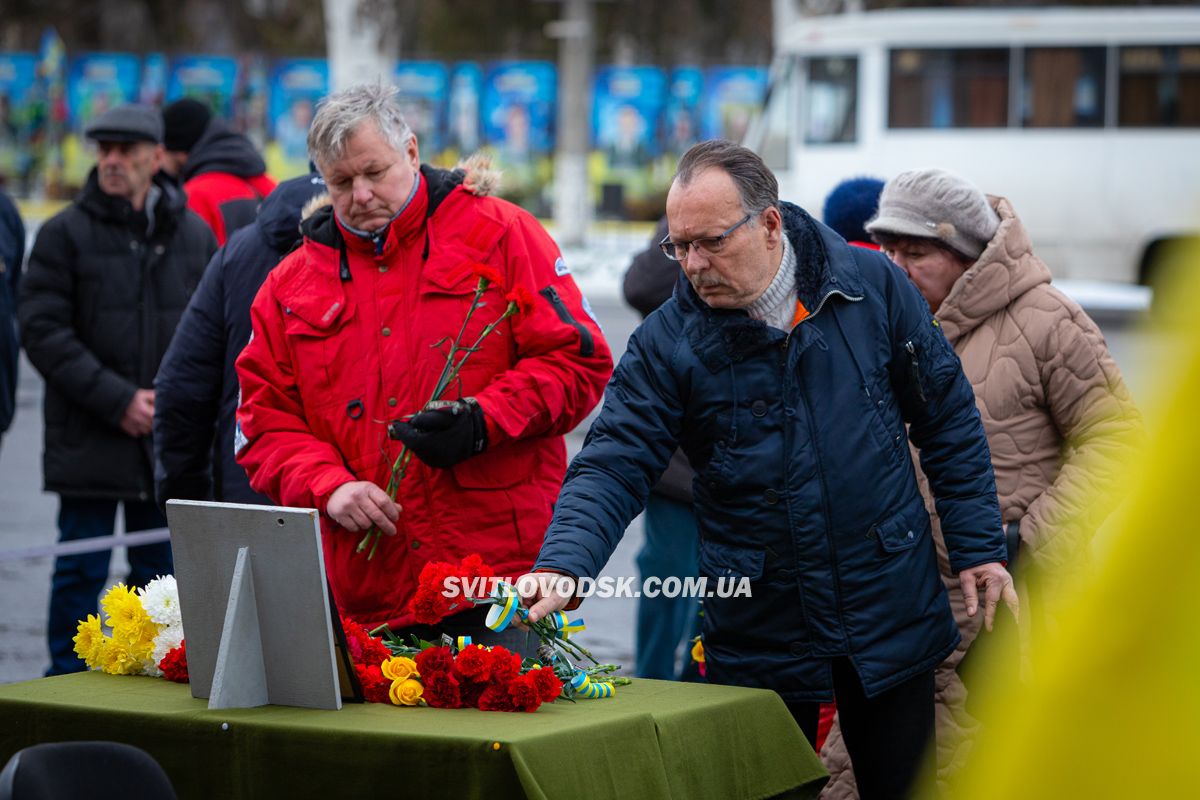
x=1059, y=420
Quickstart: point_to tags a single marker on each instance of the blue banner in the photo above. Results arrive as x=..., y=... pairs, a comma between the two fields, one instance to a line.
x=296, y=86
x=97, y=82
x=681, y=120
x=17, y=73
x=627, y=103
x=209, y=79
x=735, y=96
x=466, y=93
x=153, y=89
x=422, y=96
x=518, y=109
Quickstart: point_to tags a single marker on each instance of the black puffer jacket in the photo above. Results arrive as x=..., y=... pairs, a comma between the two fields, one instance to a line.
x=99, y=304
x=197, y=388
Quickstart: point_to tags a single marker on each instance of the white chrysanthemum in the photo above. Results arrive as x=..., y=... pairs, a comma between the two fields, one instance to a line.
x=160, y=598
x=167, y=640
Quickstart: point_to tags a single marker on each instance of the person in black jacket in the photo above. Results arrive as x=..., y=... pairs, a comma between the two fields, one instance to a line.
x=196, y=387
x=12, y=253
x=672, y=541
x=108, y=280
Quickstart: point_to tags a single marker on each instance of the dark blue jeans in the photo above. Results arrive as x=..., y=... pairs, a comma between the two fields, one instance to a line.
x=671, y=549
x=79, y=579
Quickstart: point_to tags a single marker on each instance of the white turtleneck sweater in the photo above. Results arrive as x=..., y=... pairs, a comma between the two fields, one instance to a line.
x=777, y=305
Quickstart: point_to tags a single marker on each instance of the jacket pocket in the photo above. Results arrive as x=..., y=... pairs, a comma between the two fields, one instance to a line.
x=903, y=530
x=726, y=561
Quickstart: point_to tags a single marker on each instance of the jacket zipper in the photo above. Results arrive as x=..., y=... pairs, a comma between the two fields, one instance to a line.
x=837, y=586
x=914, y=367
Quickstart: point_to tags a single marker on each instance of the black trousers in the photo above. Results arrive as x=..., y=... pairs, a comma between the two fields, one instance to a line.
x=885, y=735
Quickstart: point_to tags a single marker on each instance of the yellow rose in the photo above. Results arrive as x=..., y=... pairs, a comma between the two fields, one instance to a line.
x=399, y=668
x=406, y=693
x=698, y=651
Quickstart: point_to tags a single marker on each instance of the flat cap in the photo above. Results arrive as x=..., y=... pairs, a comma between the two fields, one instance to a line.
x=127, y=123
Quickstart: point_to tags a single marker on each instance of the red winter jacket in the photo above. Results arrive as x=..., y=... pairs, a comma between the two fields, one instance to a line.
x=332, y=361
x=225, y=201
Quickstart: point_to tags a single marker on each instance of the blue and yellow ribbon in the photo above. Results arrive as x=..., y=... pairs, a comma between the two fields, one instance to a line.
x=501, y=614
x=563, y=627
x=463, y=643
x=584, y=687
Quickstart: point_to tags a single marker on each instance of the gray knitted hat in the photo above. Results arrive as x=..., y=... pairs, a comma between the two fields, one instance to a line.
x=935, y=204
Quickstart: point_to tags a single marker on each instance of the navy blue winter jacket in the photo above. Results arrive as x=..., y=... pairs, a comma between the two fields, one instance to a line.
x=196, y=390
x=804, y=481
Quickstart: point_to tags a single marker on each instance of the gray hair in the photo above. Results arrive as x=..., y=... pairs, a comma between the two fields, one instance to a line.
x=342, y=113
x=756, y=184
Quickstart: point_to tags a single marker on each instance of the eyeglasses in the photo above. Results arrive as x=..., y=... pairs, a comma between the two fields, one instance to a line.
x=709, y=245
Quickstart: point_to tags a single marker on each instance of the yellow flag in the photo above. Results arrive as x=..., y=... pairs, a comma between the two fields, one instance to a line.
x=1112, y=708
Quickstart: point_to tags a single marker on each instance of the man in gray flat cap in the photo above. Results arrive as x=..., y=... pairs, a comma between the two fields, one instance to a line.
x=108, y=279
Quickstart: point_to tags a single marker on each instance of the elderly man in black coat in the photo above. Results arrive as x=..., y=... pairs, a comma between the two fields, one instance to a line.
x=108, y=280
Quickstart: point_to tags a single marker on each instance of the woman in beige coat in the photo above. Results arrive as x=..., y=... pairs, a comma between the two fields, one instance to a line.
x=1059, y=419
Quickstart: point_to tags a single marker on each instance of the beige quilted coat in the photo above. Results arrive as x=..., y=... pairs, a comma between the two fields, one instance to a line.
x=1059, y=422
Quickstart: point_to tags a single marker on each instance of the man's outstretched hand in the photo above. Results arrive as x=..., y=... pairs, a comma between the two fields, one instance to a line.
x=997, y=584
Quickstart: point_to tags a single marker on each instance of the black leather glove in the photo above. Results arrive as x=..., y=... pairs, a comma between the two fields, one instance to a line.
x=446, y=433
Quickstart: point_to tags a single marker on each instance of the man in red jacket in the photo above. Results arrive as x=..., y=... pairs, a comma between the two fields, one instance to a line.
x=223, y=175
x=348, y=337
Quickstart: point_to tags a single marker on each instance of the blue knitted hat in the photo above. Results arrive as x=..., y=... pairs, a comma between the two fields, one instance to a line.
x=851, y=203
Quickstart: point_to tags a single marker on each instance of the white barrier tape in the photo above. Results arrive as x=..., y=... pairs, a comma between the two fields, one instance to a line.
x=93, y=545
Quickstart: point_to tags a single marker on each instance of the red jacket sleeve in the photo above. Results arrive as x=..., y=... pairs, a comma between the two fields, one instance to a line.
x=282, y=457
x=562, y=361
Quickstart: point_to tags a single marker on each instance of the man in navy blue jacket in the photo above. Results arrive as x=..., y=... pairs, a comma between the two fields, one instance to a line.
x=787, y=365
x=196, y=386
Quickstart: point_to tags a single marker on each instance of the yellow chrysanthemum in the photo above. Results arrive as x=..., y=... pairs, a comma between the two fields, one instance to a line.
x=89, y=640
x=406, y=693
x=123, y=608
x=698, y=651
x=117, y=659
x=399, y=668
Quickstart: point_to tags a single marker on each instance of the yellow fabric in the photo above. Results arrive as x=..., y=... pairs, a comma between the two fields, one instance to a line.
x=1112, y=708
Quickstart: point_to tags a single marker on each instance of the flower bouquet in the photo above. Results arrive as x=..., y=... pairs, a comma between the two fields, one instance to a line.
x=146, y=632
x=458, y=669
x=519, y=303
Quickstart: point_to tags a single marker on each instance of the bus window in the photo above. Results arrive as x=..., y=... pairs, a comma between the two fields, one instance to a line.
x=831, y=101
x=772, y=134
x=1159, y=87
x=945, y=88
x=1063, y=87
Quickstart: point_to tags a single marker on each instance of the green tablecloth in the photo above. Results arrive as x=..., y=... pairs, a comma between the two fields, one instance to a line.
x=653, y=739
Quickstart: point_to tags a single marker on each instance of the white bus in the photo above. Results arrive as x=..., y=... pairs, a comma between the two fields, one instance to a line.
x=1087, y=119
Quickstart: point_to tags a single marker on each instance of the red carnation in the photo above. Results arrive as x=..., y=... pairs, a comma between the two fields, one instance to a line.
x=486, y=273
x=473, y=663
x=523, y=298
x=505, y=665
x=375, y=686
x=524, y=693
x=548, y=684
x=471, y=691
x=364, y=648
x=441, y=690
x=174, y=664
x=496, y=698
x=433, y=660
